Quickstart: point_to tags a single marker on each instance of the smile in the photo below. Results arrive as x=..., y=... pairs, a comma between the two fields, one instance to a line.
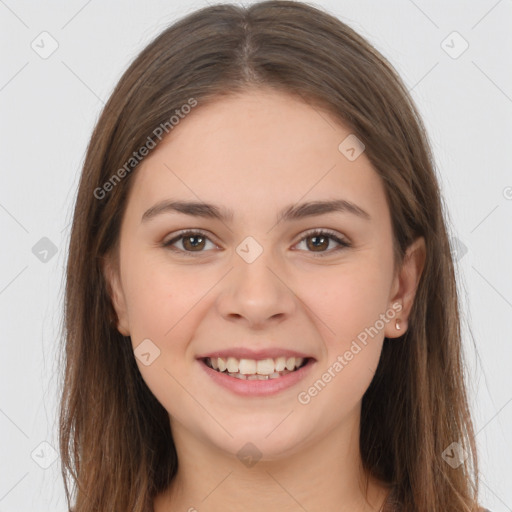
x=253, y=369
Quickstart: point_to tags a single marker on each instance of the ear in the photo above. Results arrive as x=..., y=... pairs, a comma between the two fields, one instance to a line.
x=111, y=273
x=405, y=285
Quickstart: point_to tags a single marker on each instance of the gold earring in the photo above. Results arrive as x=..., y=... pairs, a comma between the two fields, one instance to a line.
x=397, y=325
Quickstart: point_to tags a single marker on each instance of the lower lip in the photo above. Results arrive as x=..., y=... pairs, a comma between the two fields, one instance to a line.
x=258, y=387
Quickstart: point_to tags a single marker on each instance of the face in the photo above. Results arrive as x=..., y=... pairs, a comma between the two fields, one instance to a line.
x=295, y=298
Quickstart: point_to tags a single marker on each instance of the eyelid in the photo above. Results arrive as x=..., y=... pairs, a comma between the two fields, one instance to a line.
x=187, y=231
x=324, y=231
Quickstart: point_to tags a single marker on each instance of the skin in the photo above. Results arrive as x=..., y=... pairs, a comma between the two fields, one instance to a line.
x=256, y=153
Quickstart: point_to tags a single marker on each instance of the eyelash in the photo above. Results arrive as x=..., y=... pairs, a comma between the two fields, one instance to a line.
x=343, y=244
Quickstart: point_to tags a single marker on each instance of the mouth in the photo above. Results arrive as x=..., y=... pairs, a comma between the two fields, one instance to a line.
x=256, y=369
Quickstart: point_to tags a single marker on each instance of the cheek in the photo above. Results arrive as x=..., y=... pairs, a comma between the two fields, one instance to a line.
x=350, y=310
x=353, y=343
x=348, y=301
x=161, y=297
x=163, y=305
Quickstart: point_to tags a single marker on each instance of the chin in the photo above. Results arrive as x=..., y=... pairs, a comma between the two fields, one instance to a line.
x=253, y=442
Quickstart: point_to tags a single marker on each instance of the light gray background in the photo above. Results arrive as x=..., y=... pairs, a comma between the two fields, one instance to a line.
x=48, y=110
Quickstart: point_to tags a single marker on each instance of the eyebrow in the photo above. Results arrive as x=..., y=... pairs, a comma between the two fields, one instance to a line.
x=290, y=213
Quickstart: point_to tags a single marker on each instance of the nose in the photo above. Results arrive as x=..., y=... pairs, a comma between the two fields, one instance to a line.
x=256, y=294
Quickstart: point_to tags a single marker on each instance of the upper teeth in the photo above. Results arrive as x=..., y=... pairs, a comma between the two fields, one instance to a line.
x=252, y=366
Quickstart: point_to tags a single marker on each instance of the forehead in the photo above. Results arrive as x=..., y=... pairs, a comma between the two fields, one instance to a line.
x=258, y=148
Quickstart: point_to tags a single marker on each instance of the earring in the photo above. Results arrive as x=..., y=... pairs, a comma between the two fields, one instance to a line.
x=397, y=325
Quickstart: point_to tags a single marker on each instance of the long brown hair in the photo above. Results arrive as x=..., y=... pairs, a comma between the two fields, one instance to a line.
x=115, y=438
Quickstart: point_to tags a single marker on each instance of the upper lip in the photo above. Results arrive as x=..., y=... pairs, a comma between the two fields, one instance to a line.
x=247, y=353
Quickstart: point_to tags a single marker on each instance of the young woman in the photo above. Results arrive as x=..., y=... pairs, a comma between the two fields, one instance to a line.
x=261, y=307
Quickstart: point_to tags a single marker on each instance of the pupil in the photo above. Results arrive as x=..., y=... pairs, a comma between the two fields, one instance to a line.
x=316, y=244
x=199, y=240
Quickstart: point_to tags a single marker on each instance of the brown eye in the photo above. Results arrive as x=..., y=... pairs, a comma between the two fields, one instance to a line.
x=189, y=242
x=318, y=241
x=193, y=242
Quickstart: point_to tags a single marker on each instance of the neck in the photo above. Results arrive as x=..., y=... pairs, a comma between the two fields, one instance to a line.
x=326, y=476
